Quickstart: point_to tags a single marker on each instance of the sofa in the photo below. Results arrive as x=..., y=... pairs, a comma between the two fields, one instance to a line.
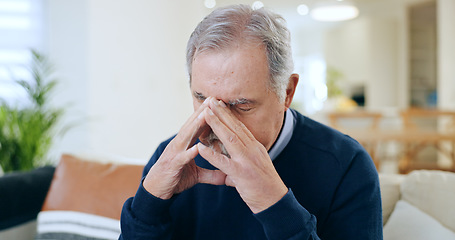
x=419, y=205
x=82, y=199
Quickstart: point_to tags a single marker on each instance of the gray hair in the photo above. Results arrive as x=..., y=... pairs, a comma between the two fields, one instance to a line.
x=225, y=27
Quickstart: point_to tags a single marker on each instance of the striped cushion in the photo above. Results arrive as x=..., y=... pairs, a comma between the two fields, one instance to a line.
x=76, y=226
x=86, y=198
x=92, y=187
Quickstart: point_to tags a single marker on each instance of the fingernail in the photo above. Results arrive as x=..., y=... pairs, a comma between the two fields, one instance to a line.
x=222, y=104
x=214, y=101
x=193, y=147
x=210, y=111
x=206, y=100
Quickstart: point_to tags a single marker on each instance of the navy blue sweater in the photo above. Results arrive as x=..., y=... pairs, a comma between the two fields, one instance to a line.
x=333, y=194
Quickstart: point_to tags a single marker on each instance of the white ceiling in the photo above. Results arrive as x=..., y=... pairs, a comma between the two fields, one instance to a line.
x=288, y=9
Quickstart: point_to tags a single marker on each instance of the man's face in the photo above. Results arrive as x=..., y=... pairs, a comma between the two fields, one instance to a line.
x=239, y=77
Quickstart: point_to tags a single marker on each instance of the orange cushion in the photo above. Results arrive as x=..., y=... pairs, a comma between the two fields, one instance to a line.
x=92, y=187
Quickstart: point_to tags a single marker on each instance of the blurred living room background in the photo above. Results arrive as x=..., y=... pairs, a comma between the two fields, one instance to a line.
x=122, y=80
x=93, y=86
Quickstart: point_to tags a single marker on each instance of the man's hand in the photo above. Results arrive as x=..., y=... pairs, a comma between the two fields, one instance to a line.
x=175, y=170
x=249, y=169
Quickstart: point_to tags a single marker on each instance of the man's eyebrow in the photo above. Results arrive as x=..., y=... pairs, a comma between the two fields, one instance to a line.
x=199, y=95
x=241, y=101
x=234, y=102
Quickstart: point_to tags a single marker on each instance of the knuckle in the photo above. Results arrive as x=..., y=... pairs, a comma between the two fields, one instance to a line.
x=177, y=142
x=233, y=138
x=176, y=149
x=239, y=127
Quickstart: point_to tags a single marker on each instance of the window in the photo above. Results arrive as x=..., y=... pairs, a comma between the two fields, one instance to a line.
x=21, y=29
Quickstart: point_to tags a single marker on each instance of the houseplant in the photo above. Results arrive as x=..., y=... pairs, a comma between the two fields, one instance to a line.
x=333, y=78
x=336, y=99
x=27, y=132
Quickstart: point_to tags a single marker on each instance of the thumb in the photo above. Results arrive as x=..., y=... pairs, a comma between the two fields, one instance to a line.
x=214, y=177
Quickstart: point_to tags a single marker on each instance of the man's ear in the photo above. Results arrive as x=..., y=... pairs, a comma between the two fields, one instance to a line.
x=290, y=90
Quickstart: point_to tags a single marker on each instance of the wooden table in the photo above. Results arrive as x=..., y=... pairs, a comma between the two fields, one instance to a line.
x=413, y=141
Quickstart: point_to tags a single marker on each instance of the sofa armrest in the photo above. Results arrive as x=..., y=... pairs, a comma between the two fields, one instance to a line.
x=25, y=231
x=22, y=195
x=390, y=193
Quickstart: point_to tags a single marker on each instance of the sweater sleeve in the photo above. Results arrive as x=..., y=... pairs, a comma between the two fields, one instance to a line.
x=287, y=219
x=145, y=216
x=355, y=212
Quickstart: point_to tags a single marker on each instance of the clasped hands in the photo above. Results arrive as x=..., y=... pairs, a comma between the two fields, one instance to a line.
x=248, y=167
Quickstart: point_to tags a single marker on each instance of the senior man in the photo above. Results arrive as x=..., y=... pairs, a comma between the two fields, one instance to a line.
x=244, y=165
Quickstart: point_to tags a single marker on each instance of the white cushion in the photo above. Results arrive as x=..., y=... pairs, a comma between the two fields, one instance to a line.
x=75, y=225
x=408, y=222
x=433, y=192
x=390, y=193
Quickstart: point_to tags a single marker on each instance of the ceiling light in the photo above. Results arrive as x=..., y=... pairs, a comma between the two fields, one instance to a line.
x=209, y=3
x=334, y=11
x=257, y=5
x=303, y=9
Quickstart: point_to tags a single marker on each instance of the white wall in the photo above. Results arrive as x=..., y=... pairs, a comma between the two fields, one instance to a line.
x=350, y=41
x=68, y=50
x=383, y=59
x=446, y=54
x=365, y=51
x=122, y=65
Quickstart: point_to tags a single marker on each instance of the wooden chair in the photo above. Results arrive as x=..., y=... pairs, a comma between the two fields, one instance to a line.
x=371, y=118
x=359, y=120
x=437, y=128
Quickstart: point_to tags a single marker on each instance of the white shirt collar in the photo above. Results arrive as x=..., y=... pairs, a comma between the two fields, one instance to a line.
x=285, y=135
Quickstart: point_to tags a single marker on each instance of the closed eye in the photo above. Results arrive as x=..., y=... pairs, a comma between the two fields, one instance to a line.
x=199, y=96
x=244, y=109
x=243, y=104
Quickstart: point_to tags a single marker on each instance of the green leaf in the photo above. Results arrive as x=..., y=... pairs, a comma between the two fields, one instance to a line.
x=27, y=134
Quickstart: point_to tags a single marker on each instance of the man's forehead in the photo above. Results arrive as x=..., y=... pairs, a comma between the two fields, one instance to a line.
x=238, y=77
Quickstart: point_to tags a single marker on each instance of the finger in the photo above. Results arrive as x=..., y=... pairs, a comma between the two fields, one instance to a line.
x=229, y=182
x=192, y=128
x=230, y=120
x=214, y=177
x=189, y=155
x=218, y=160
x=232, y=141
x=182, y=158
